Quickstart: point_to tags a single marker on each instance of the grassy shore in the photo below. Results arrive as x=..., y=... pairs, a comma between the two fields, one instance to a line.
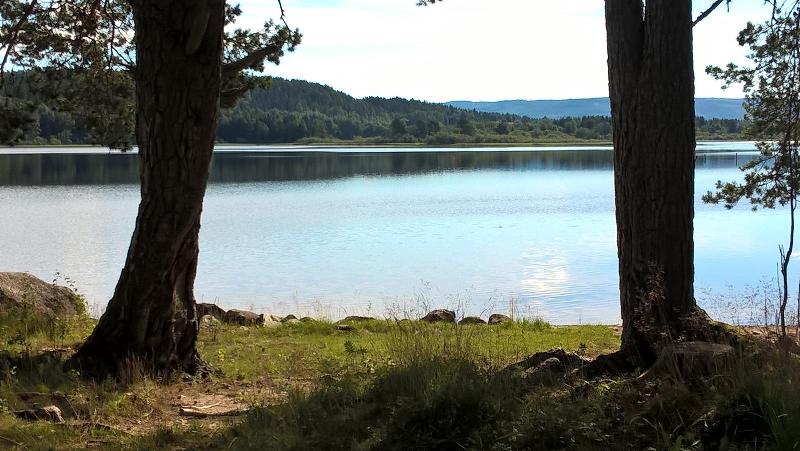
x=386, y=385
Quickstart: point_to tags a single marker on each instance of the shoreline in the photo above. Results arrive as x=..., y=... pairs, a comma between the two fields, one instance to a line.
x=86, y=149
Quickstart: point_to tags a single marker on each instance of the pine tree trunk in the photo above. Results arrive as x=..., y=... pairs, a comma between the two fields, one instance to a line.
x=651, y=83
x=151, y=317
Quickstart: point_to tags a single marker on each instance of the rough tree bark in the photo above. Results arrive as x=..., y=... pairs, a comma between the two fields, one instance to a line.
x=651, y=81
x=151, y=316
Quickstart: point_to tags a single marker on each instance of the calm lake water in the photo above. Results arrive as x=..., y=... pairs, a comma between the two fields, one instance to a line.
x=337, y=231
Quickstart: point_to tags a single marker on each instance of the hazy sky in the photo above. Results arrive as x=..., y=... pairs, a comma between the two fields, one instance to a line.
x=476, y=49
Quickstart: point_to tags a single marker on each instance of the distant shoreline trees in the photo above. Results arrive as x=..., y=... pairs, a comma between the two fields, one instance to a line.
x=292, y=111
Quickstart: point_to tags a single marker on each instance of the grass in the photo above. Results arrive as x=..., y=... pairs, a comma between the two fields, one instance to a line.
x=308, y=350
x=446, y=402
x=396, y=385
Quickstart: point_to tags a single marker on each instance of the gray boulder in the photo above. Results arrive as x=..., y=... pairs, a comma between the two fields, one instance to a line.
x=20, y=290
x=497, y=318
x=209, y=323
x=271, y=321
x=355, y=319
x=472, y=320
x=440, y=316
x=243, y=317
x=214, y=310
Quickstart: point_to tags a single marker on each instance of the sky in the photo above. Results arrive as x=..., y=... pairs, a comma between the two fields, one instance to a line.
x=480, y=50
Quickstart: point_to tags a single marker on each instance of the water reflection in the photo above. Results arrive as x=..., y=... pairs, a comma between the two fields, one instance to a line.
x=239, y=167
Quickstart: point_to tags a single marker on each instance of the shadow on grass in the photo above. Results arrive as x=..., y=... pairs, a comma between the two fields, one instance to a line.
x=452, y=404
x=431, y=404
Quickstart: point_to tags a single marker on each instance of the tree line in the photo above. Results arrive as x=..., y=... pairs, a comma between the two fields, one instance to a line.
x=295, y=111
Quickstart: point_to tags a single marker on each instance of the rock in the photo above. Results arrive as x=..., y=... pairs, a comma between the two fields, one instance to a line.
x=497, y=318
x=21, y=290
x=345, y=328
x=243, y=318
x=355, y=319
x=472, y=320
x=271, y=321
x=49, y=413
x=214, y=310
x=208, y=322
x=440, y=316
x=288, y=318
x=306, y=319
x=291, y=321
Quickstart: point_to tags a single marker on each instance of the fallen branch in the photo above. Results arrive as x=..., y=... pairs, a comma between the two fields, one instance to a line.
x=199, y=412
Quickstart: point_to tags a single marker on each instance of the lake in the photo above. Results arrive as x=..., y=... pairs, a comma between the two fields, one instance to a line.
x=338, y=231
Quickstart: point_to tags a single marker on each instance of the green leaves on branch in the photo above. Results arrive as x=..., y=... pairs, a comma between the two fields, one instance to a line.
x=772, y=88
x=66, y=34
x=83, y=52
x=770, y=179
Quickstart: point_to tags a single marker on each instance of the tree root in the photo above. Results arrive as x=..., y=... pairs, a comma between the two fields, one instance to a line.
x=703, y=344
x=567, y=359
x=133, y=368
x=691, y=360
x=608, y=365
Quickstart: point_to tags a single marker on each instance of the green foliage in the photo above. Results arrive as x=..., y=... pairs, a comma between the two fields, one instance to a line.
x=78, y=59
x=772, y=87
x=17, y=119
x=23, y=329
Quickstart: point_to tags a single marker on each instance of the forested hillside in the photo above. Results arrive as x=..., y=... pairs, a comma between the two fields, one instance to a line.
x=294, y=111
x=704, y=107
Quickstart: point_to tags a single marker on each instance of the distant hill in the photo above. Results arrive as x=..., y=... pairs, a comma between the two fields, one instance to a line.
x=706, y=107
x=296, y=111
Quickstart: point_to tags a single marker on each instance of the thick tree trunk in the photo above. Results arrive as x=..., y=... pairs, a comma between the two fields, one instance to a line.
x=151, y=317
x=651, y=83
